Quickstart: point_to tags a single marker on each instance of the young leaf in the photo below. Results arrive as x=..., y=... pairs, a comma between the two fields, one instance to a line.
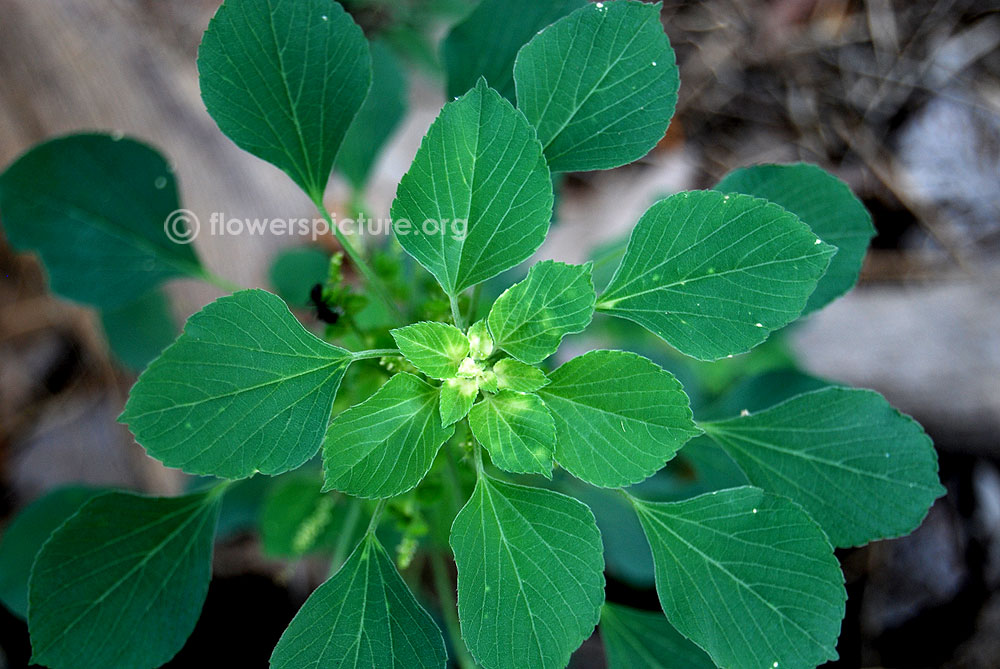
x=121, y=583
x=284, y=81
x=478, y=198
x=530, y=318
x=862, y=469
x=436, y=349
x=244, y=389
x=457, y=398
x=24, y=536
x=297, y=517
x=599, y=85
x=714, y=274
x=381, y=112
x=94, y=207
x=515, y=375
x=636, y=639
x=530, y=575
x=517, y=430
x=824, y=203
x=475, y=48
x=480, y=340
x=748, y=576
x=364, y=616
x=619, y=417
x=138, y=332
x=385, y=445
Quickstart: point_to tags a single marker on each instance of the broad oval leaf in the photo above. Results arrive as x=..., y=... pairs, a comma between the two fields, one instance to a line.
x=824, y=203
x=363, y=616
x=714, y=274
x=599, y=85
x=530, y=575
x=457, y=398
x=862, y=469
x=517, y=430
x=244, y=389
x=284, y=81
x=95, y=208
x=619, y=417
x=515, y=375
x=436, y=349
x=478, y=197
x=385, y=445
x=381, y=113
x=636, y=639
x=531, y=317
x=475, y=48
x=24, y=536
x=748, y=576
x=122, y=582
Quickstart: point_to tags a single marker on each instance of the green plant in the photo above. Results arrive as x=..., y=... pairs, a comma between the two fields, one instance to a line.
x=446, y=406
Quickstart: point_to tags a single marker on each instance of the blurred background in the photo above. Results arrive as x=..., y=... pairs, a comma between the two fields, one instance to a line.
x=899, y=98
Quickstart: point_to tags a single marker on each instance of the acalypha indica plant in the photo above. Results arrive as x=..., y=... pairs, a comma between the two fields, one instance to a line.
x=455, y=433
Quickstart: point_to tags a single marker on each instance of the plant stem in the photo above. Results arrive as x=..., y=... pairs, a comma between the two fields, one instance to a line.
x=445, y=590
x=374, y=353
x=376, y=516
x=456, y=313
x=371, y=278
x=477, y=454
x=219, y=282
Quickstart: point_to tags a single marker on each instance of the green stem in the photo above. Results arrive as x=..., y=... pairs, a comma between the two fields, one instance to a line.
x=456, y=313
x=376, y=516
x=371, y=278
x=219, y=282
x=477, y=455
x=445, y=592
x=374, y=353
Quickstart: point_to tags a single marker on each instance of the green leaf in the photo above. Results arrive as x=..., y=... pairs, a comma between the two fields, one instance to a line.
x=480, y=182
x=530, y=318
x=122, y=582
x=761, y=391
x=619, y=417
x=385, y=445
x=517, y=430
x=296, y=270
x=94, y=207
x=24, y=536
x=748, y=576
x=364, y=616
x=599, y=85
x=824, y=203
x=436, y=349
x=138, y=332
x=475, y=48
x=480, y=340
x=515, y=375
x=379, y=116
x=284, y=81
x=636, y=639
x=530, y=575
x=244, y=389
x=457, y=398
x=862, y=469
x=297, y=517
x=714, y=274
